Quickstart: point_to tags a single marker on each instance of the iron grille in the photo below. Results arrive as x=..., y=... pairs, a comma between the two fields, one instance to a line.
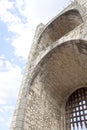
x=76, y=109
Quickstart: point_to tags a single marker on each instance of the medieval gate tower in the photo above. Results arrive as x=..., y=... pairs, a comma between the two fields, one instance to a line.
x=53, y=93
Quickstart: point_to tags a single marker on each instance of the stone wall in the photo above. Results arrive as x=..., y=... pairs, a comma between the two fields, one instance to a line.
x=56, y=67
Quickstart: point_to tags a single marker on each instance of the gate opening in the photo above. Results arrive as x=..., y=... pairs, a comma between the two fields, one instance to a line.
x=76, y=110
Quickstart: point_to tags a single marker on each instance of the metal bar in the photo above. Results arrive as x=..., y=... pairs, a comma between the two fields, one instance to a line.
x=76, y=109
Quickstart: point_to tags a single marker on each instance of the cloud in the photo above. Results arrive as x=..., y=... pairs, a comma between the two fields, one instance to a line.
x=10, y=79
x=9, y=82
x=1, y=63
x=5, y=15
x=23, y=32
x=22, y=17
x=38, y=11
x=22, y=42
x=5, y=115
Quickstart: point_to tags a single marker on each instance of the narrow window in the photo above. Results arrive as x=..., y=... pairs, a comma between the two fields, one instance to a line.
x=76, y=110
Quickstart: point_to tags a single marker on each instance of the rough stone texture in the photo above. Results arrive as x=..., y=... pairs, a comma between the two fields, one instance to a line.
x=56, y=67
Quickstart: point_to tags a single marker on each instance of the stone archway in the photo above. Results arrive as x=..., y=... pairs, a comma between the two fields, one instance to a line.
x=59, y=73
x=56, y=67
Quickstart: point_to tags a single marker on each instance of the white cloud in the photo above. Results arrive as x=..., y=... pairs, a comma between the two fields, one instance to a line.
x=6, y=4
x=6, y=111
x=1, y=63
x=23, y=31
x=9, y=82
x=2, y=119
x=38, y=11
x=6, y=15
x=23, y=42
x=33, y=11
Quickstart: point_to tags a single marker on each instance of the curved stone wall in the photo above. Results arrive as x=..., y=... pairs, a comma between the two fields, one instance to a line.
x=56, y=68
x=59, y=27
x=60, y=73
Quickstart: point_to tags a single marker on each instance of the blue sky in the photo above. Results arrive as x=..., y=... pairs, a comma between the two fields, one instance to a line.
x=18, y=20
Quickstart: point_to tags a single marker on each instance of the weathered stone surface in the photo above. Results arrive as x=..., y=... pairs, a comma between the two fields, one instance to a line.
x=57, y=66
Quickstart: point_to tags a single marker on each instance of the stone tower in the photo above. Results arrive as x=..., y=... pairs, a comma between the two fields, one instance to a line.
x=53, y=92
